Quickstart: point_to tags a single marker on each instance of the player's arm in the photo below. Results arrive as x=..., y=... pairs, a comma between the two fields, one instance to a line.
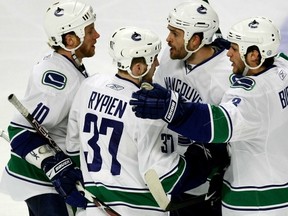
x=200, y=122
x=58, y=167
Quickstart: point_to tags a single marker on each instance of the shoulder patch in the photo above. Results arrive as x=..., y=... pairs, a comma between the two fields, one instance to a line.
x=244, y=82
x=54, y=79
x=233, y=77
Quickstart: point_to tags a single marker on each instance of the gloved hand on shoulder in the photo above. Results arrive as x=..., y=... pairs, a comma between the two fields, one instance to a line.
x=156, y=102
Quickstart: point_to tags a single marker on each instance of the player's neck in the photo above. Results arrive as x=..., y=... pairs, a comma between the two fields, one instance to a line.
x=201, y=55
x=252, y=72
x=125, y=75
x=68, y=54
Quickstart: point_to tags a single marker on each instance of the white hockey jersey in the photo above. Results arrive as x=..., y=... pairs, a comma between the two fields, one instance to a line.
x=253, y=117
x=117, y=148
x=205, y=82
x=256, y=183
x=52, y=86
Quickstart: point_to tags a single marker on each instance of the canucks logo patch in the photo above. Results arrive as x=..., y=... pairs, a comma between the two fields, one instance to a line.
x=202, y=10
x=54, y=79
x=245, y=82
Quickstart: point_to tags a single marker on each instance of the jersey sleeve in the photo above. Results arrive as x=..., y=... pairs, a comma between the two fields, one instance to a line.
x=204, y=123
x=154, y=147
x=51, y=88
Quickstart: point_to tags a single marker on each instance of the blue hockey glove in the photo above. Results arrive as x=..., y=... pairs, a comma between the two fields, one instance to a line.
x=64, y=175
x=156, y=102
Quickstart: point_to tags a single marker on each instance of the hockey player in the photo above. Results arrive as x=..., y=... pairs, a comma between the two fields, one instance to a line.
x=52, y=85
x=116, y=147
x=252, y=115
x=195, y=65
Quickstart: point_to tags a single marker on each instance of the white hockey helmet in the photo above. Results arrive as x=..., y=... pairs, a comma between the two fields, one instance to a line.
x=127, y=43
x=195, y=17
x=67, y=16
x=256, y=31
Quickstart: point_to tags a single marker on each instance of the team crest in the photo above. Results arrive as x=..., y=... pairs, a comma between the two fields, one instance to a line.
x=59, y=12
x=202, y=9
x=245, y=82
x=54, y=79
x=136, y=36
x=253, y=24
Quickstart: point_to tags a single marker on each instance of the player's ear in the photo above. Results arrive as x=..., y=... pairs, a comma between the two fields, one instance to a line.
x=138, y=68
x=194, y=42
x=253, y=58
x=71, y=40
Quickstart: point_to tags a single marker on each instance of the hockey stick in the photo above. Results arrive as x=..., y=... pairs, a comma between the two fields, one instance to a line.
x=157, y=191
x=42, y=131
x=4, y=135
x=89, y=196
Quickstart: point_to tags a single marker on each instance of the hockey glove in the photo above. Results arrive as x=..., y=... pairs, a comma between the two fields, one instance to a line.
x=156, y=102
x=64, y=175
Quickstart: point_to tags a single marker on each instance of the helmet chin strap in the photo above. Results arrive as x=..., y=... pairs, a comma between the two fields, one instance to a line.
x=189, y=52
x=75, y=58
x=247, y=67
x=244, y=73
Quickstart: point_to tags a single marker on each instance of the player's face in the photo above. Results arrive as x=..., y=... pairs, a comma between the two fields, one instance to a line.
x=87, y=49
x=175, y=40
x=234, y=56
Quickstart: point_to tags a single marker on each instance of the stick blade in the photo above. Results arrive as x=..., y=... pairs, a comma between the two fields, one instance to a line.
x=156, y=188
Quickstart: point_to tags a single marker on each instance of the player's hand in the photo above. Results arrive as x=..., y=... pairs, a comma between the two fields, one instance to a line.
x=155, y=102
x=64, y=175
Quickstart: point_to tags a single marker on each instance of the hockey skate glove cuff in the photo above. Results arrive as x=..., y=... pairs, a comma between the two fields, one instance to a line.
x=64, y=175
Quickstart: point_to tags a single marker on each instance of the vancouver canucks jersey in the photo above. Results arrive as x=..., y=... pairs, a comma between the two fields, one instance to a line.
x=205, y=82
x=253, y=116
x=259, y=115
x=52, y=85
x=117, y=148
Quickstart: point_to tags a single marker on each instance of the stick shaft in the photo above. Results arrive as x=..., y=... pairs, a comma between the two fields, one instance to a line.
x=34, y=123
x=42, y=131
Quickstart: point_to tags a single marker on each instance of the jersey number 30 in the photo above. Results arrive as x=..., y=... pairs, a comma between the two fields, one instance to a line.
x=117, y=129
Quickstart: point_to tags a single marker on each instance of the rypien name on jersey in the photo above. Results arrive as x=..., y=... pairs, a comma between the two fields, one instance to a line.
x=107, y=104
